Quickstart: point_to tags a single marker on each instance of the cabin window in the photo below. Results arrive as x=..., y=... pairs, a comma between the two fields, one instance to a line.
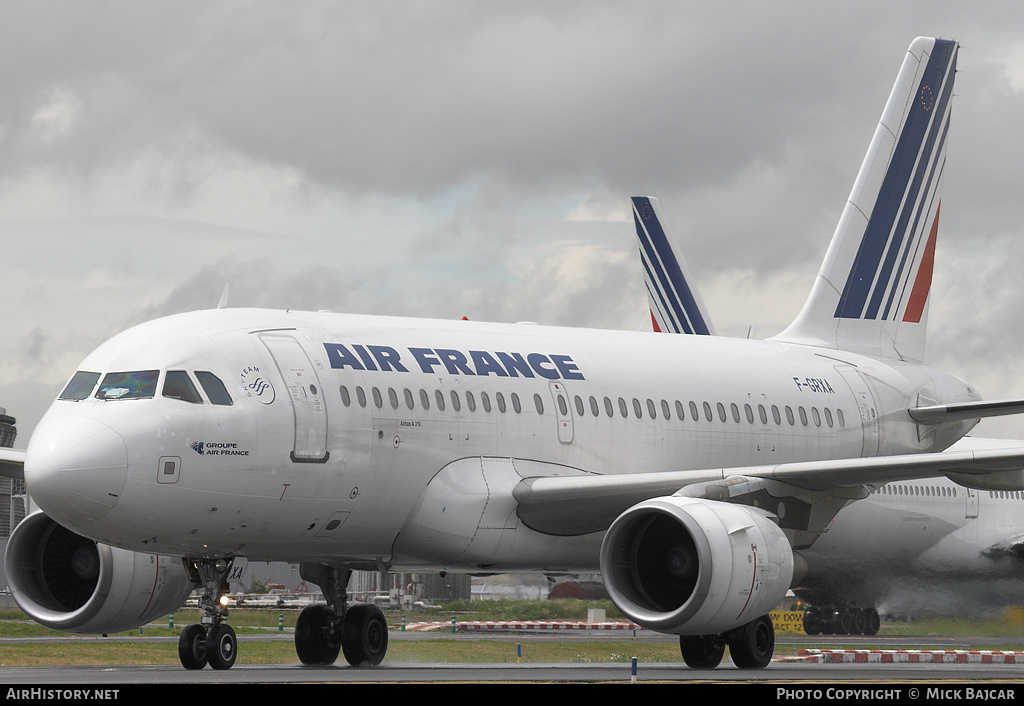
x=839, y=416
x=470, y=401
x=439, y=398
x=485, y=401
x=749, y=412
x=80, y=386
x=346, y=399
x=815, y=416
x=828, y=416
x=393, y=398
x=680, y=412
x=539, y=404
x=608, y=408
x=666, y=411
x=409, y=402
x=651, y=409
x=735, y=412
x=594, y=409
x=178, y=386
x=424, y=399
x=378, y=401
x=721, y=411
x=500, y=399
x=789, y=416
x=517, y=406
x=563, y=408
x=803, y=415
x=135, y=385
x=694, y=414
x=637, y=410
x=622, y=408
x=580, y=410
x=456, y=402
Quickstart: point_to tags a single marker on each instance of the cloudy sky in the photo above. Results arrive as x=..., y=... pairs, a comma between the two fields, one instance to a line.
x=476, y=158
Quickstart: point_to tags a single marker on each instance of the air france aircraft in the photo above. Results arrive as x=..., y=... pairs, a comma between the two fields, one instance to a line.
x=693, y=471
x=930, y=544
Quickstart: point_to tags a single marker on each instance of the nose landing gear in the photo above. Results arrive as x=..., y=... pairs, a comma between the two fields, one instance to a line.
x=212, y=641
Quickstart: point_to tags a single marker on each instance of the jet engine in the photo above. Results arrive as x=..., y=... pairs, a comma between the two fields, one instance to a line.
x=692, y=566
x=67, y=582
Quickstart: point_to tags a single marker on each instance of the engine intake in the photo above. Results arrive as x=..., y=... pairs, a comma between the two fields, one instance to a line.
x=67, y=582
x=692, y=566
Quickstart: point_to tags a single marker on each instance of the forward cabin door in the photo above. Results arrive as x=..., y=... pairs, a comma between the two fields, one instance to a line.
x=306, y=396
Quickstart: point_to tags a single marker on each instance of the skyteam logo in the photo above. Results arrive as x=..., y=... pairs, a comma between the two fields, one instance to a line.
x=197, y=446
x=257, y=385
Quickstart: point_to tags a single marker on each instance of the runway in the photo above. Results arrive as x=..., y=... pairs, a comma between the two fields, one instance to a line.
x=617, y=673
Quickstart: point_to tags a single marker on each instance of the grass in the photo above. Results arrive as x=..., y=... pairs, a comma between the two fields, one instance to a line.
x=114, y=650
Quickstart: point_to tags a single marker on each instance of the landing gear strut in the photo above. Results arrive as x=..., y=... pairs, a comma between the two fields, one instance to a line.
x=323, y=631
x=212, y=641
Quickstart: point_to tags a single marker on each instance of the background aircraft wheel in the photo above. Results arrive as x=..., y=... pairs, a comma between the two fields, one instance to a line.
x=754, y=644
x=223, y=647
x=313, y=644
x=841, y=620
x=364, y=635
x=192, y=647
x=858, y=622
x=871, y=621
x=812, y=621
x=702, y=651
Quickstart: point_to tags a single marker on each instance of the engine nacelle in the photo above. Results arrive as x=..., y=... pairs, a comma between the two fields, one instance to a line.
x=691, y=566
x=67, y=582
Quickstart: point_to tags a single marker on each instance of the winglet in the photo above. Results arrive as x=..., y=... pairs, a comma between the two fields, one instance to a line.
x=676, y=307
x=871, y=294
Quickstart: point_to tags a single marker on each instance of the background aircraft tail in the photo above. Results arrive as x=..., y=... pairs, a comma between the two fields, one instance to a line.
x=871, y=294
x=676, y=307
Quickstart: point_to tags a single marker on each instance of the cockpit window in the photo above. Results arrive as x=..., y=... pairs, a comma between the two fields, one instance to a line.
x=133, y=385
x=178, y=385
x=214, y=388
x=80, y=387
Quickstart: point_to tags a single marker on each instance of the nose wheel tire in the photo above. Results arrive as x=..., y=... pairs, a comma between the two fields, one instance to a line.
x=223, y=647
x=192, y=647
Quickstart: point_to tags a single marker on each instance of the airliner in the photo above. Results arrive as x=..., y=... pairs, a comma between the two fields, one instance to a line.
x=694, y=472
x=931, y=545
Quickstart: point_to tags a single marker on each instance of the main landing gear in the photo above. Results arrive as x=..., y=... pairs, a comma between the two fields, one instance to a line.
x=322, y=631
x=849, y=620
x=212, y=641
x=751, y=646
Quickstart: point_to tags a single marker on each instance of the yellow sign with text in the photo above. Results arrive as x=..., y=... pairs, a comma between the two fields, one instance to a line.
x=791, y=621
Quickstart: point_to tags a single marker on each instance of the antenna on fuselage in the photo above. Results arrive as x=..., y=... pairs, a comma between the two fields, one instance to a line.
x=224, y=296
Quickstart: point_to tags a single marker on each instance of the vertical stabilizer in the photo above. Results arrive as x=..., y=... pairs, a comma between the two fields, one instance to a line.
x=676, y=306
x=871, y=294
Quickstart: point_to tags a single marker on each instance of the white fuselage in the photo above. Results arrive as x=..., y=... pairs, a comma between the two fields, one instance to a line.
x=338, y=424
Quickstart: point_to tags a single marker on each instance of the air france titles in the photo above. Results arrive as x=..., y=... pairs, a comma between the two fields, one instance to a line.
x=454, y=362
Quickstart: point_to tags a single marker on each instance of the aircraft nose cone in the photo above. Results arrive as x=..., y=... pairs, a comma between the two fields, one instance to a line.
x=75, y=469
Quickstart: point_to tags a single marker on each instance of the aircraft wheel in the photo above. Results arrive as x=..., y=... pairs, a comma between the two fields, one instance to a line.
x=858, y=622
x=192, y=647
x=313, y=644
x=702, y=651
x=842, y=619
x=812, y=621
x=754, y=644
x=364, y=635
x=871, y=621
x=223, y=647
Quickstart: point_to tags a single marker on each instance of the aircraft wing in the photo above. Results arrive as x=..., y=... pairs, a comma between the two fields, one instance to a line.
x=12, y=464
x=569, y=505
